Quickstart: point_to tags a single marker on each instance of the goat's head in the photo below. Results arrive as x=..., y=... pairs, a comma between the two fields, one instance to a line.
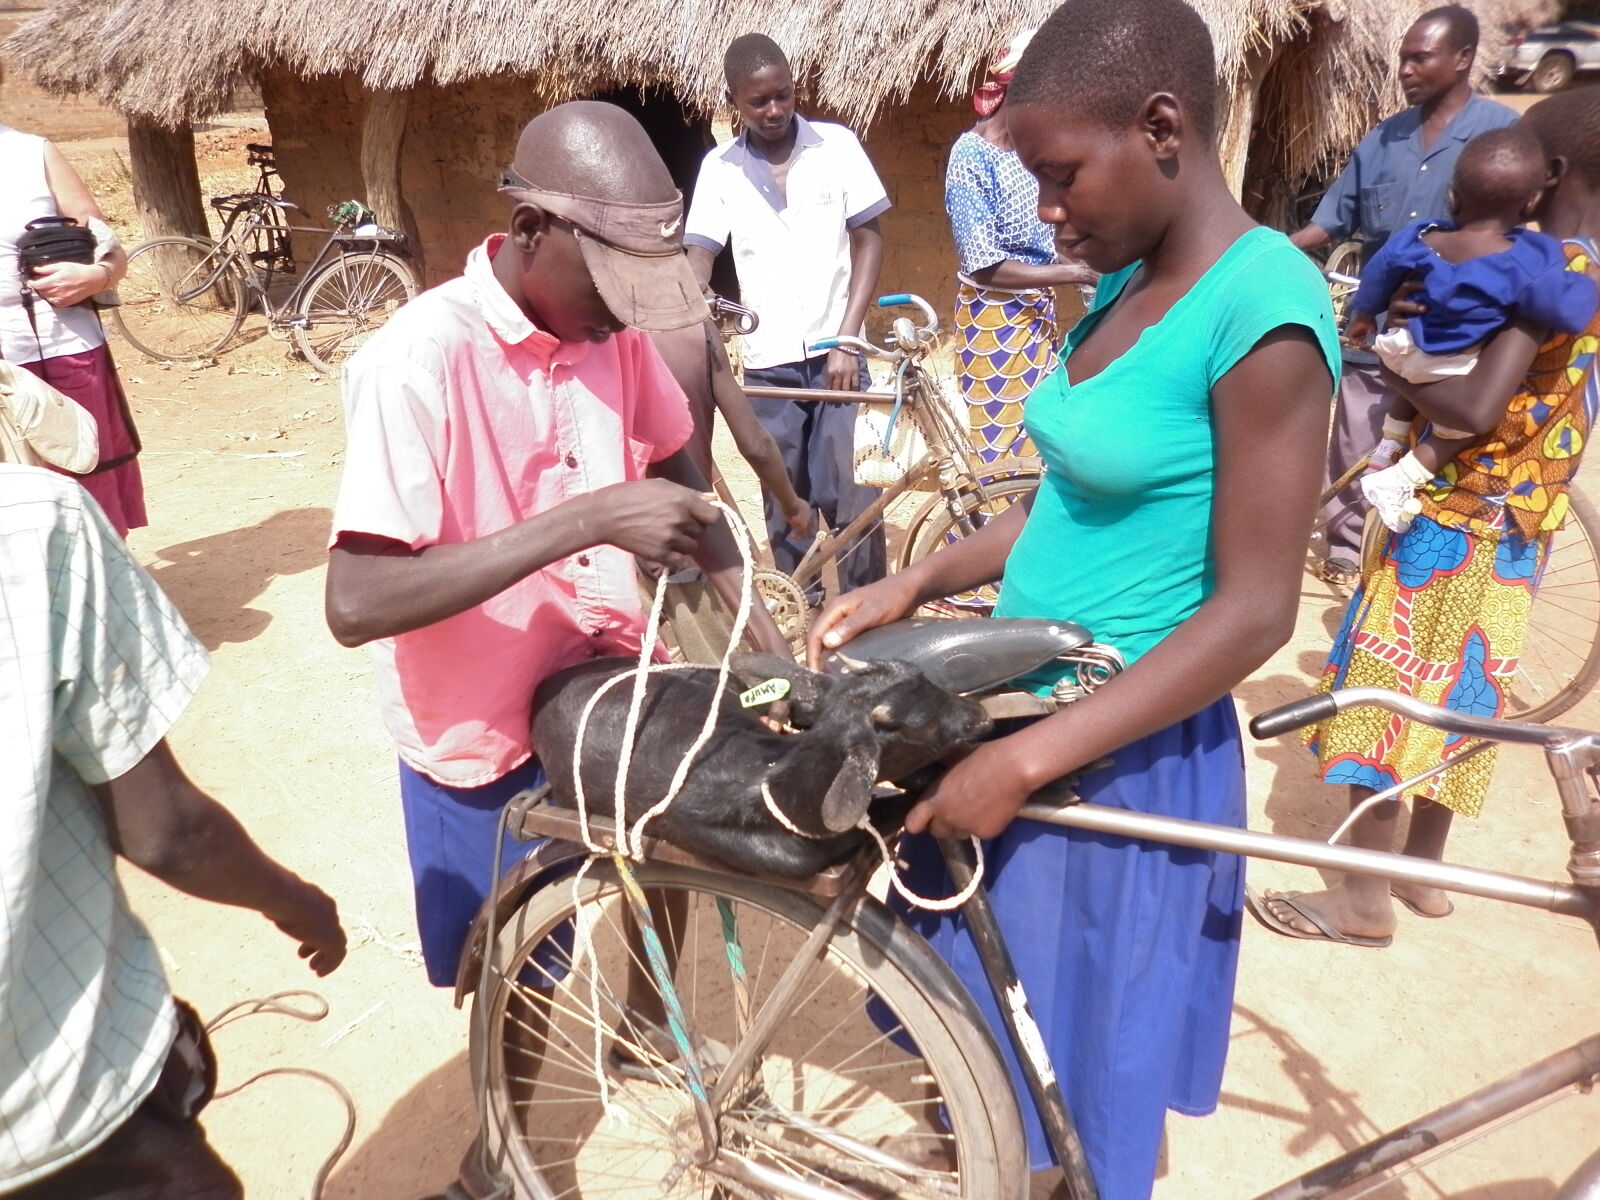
x=877, y=720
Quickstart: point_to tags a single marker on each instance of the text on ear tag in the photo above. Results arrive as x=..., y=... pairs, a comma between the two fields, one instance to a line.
x=764, y=693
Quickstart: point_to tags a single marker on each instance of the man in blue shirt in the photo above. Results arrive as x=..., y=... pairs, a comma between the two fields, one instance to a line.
x=1400, y=173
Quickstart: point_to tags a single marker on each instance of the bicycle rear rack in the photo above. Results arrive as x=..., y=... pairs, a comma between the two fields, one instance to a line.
x=541, y=819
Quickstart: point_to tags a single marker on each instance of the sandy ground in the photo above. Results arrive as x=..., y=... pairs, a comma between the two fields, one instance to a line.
x=1331, y=1044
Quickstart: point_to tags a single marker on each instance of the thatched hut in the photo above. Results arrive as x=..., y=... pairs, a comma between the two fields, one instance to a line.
x=415, y=105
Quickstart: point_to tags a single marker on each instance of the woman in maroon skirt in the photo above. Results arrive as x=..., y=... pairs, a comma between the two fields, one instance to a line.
x=58, y=335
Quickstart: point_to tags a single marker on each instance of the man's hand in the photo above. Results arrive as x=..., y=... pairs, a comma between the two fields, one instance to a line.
x=1360, y=328
x=656, y=519
x=64, y=284
x=802, y=521
x=843, y=372
x=311, y=918
x=978, y=797
x=856, y=612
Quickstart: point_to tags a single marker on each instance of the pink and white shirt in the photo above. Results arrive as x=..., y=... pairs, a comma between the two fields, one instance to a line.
x=464, y=418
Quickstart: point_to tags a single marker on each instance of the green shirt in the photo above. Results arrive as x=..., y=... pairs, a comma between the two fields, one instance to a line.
x=1119, y=539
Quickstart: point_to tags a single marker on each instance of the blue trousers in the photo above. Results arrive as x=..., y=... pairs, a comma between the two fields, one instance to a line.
x=817, y=442
x=450, y=838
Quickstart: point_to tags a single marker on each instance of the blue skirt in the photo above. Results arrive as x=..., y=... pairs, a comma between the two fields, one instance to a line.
x=1127, y=949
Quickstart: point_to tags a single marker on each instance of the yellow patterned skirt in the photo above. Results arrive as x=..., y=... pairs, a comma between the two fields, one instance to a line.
x=1441, y=617
x=1005, y=348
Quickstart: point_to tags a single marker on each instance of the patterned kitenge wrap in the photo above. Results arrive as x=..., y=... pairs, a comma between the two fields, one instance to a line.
x=1443, y=614
x=1005, y=349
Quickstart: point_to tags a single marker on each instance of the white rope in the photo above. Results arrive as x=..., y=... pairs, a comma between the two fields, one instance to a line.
x=948, y=904
x=630, y=841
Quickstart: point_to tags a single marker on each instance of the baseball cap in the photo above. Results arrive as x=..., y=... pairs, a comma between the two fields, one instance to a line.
x=634, y=253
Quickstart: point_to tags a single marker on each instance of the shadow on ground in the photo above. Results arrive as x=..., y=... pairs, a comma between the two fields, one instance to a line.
x=417, y=1148
x=213, y=579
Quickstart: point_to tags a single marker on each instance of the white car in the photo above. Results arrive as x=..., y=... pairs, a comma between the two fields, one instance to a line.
x=1547, y=58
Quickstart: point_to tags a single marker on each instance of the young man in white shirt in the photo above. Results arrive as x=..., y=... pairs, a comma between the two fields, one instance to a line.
x=799, y=202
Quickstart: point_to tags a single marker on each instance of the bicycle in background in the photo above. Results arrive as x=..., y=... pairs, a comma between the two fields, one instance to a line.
x=186, y=298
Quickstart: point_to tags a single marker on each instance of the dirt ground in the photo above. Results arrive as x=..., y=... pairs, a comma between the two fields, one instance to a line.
x=1330, y=1044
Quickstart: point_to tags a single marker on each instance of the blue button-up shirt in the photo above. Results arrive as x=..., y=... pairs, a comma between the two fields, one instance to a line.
x=1391, y=180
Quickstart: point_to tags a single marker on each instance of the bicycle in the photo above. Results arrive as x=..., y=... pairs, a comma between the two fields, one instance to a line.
x=1560, y=661
x=967, y=492
x=185, y=298
x=579, y=1097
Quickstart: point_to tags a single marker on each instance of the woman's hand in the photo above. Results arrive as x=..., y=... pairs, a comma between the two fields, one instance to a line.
x=856, y=612
x=1402, y=307
x=64, y=284
x=978, y=797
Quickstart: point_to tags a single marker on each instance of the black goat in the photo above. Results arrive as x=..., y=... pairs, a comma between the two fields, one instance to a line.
x=876, y=721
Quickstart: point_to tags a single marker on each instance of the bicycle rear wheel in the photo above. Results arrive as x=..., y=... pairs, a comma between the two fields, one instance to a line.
x=935, y=527
x=182, y=298
x=823, y=1094
x=345, y=302
x=1344, y=259
x=1560, y=660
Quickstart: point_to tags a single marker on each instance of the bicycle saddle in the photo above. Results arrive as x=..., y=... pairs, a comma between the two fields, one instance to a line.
x=966, y=656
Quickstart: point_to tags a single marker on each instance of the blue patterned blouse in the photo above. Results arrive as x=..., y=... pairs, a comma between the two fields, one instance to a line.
x=993, y=204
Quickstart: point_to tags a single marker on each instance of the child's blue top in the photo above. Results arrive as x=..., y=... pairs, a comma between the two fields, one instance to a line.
x=1470, y=301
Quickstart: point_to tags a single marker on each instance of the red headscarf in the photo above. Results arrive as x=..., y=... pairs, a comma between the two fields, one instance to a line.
x=991, y=94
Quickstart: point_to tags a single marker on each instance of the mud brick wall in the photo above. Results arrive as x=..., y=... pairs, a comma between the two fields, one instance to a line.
x=909, y=145
x=459, y=137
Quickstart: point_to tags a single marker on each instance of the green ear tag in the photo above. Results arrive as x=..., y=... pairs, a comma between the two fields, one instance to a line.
x=765, y=693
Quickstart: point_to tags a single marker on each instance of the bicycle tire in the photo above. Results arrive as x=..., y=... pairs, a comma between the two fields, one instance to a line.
x=545, y=1123
x=934, y=526
x=346, y=302
x=1343, y=259
x=1560, y=660
x=182, y=299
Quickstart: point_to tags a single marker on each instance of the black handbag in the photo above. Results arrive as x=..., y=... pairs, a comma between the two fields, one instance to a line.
x=51, y=240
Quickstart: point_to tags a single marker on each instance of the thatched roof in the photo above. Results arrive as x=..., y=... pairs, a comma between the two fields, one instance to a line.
x=175, y=60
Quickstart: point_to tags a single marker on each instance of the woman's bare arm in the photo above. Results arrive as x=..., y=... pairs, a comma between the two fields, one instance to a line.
x=1476, y=402
x=65, y=284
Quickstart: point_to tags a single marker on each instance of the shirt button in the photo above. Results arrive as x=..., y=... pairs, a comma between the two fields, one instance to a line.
x=572, y=459
x=596, y=632
x=1413, y=215
x=583, y=560
x=1424, y=166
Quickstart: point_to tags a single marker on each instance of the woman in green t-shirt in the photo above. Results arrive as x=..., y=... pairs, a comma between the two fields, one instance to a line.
x=1183, y=435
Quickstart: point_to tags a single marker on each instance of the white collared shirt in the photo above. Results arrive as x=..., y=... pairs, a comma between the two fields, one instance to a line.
x=792, y=251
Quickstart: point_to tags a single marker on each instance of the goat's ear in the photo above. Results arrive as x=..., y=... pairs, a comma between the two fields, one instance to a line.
x=850, y=794
x=806, y=687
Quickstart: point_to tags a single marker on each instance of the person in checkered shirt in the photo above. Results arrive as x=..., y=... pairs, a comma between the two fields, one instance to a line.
x=102, y=1073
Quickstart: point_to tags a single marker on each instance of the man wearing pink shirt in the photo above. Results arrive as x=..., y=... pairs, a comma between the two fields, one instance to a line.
x=514, y=441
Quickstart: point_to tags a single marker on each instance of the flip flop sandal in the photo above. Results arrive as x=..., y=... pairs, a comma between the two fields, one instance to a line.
x=1339, y=571
x=1325, y=932
x=1412, y=905
x=660, y=1055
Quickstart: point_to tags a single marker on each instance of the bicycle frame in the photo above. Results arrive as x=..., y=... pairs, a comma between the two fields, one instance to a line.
x=246, y=220
x=1573, y=757
x=940, y=460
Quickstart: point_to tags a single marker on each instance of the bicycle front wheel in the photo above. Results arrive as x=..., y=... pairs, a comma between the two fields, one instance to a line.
x=880, y=1080
x=1560, y=661
x=936, y=526
x=182, y=298
x=345, y=302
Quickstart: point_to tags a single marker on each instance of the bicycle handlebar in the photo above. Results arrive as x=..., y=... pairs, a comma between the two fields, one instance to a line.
x=1299, y=713
x=845, y=342
x=920, y=337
